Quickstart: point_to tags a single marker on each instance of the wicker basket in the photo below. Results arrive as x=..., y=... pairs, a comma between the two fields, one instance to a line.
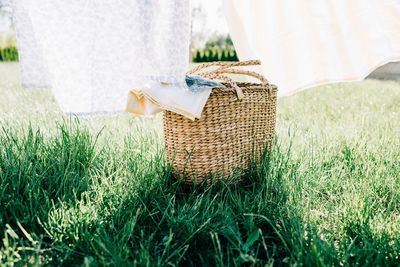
x=237, y=124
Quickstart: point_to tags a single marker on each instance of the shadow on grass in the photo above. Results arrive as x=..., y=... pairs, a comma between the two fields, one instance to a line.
x=253, y=222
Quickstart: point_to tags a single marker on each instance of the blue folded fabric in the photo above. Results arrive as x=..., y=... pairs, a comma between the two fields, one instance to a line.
x=197, y=83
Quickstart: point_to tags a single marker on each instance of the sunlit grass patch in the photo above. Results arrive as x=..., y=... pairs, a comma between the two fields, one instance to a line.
x=97, y=191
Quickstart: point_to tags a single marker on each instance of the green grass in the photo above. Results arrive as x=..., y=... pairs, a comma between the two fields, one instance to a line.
x=97, y=192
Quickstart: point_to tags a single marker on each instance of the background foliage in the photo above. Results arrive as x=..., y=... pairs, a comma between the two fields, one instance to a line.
x=9, y=54
x=218, y=48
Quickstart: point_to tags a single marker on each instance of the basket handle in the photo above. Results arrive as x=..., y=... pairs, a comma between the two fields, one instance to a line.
x=226, y=68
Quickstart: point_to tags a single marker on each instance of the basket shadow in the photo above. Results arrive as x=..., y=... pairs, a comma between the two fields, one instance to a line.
x=250, y=221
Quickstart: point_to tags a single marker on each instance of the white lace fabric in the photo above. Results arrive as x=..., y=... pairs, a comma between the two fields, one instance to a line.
x=92, y=53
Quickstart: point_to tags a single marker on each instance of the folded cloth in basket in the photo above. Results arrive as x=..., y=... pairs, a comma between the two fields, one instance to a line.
x=187, y=99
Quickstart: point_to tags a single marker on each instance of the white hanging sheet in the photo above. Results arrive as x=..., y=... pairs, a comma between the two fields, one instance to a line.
x=92, y=53
x=306, y=43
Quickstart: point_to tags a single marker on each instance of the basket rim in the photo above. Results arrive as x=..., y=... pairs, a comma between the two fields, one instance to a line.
x=246, y=86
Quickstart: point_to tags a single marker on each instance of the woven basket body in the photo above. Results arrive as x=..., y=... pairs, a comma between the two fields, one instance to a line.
x=228, y=135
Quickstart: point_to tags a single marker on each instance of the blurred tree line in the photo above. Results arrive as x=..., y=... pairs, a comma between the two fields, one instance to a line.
x=9, y=54
x=217, y=48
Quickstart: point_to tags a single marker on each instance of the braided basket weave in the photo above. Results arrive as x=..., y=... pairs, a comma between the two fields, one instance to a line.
x=237, y=124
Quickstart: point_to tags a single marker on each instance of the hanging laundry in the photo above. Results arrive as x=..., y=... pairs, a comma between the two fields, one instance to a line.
x=307, y=43
x=93, y=53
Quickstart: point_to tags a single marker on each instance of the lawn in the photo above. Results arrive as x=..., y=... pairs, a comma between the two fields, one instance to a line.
x=96, y=191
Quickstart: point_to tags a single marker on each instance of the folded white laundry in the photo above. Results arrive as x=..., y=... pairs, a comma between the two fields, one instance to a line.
x=187, y=98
